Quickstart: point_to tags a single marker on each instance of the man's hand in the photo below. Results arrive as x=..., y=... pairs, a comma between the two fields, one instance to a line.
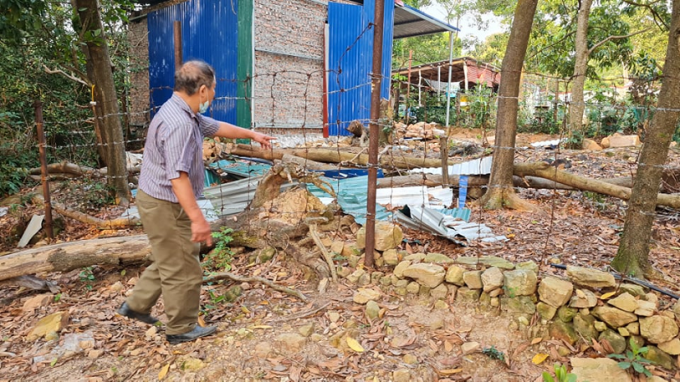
x=263, y=140
x=200, y=232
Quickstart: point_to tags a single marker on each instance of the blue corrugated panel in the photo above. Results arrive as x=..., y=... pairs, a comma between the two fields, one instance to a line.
x=458, y=213
x=352, y=197
x=209, y=33
x=242, y=169
x=350, y=62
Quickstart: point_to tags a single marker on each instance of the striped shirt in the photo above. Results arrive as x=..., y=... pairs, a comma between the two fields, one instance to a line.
x=174, y=144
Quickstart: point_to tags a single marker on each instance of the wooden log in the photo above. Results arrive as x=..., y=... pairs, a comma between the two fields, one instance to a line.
x=388, y=160
x=544, y=170
x=307, y=163
x=72, y=255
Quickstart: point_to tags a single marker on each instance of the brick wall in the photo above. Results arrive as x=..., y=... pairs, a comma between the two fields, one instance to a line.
x=289, y=49
x=139, y=73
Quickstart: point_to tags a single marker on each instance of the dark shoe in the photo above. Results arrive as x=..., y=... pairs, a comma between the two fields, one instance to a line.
x=125, y=310
x=198, y=331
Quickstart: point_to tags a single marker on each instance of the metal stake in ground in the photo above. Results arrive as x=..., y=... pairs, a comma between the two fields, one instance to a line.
x=43, y=169
x=374, y=131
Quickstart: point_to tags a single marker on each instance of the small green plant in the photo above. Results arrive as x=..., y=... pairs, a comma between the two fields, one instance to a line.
x=87, y=277
x=634, y=358
x=57, y=297
x=494, y=353
x=561, y=375
x=221, y=256
x=511, y=292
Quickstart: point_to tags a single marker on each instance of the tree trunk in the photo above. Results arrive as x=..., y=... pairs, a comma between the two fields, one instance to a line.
x=544, y=170
x=577, y=105
x=333, y=155
x=632, y=256
x=501, y=193
x=98, y=51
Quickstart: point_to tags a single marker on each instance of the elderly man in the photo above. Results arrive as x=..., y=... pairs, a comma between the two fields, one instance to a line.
x=170, y=182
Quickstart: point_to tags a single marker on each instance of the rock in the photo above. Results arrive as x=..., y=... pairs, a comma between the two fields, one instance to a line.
x=566, y=314
x=455, y=275
x=601, y=326
x=437, y=258
x=94, y=353
x=413, y=287
x=491, y=261
x=387, y=236
x=376, y=277
x=386, y=281
x=614, y=317
x=495, y=302
x=624, y=140
x=676, y=309
x=355, y=276
x=350, y=249
x=625, y=302
x=560, y=330
x=263, y=349
x=469, y=347
x=473, y=279
x=495, y=293
x=307, y=330
x=440, y=292
x=291, y=341
x=633, y=328
x=492, y=278
x=632, y=289
x=520, y=282
x=372, y=310
x=671, y=347
x=589, y=144
x=645, y=308
x=527, y=266
x=585, y=326
x=521, y=304
x=391, y=257
x=605, y=145
x=624, y=332
x=441, y=305
x=117, y=287
x=192, y=364
x=617, y=342
x=430, y=275
x=52, y=323
x=343, y=272
x=363, y=295
x=400, y=268
x=415, y=257
x=410, y=359
x=598, y=369
x=660, y=357
x=658, y=329
x=401, y=375
x=555, y=292
x=150, y=334
x=590, y=277
x=546, y=311
x=36, y=302
x=653, y=298
x=583, y=298
x=466, y=294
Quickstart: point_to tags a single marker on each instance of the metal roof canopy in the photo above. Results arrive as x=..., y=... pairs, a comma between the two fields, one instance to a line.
x=411, y=22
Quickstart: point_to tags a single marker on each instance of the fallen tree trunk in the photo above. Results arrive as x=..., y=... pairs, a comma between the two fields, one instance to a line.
x=431, y=180
x=307, y=164
x=72, y=255
x=333, y=155
x=544, y=170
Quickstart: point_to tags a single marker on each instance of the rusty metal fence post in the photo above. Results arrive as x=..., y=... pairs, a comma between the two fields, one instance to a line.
x=374, y=130
x=43, y=169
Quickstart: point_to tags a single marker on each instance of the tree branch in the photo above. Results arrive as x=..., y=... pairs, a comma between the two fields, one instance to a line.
x=57, y=71
x=657, y=18
x=599, y=44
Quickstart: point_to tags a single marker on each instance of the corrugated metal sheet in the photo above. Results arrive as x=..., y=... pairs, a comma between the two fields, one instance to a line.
x=242, y=169
x=480, y=166
x=352, y=197
x=409, y=22
x=350, y=61
x=209, y=33
x=444, y=225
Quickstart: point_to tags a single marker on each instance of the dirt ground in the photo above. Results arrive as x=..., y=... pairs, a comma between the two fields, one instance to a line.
x=266, y=335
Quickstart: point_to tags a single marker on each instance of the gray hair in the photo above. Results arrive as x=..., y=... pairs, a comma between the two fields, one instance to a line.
x=192, y=75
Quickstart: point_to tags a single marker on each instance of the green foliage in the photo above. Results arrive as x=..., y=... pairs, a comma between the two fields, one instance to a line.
x=634, y=358
x=494, y=353
x=87, y=276
x=220, y=257
x=561, y=375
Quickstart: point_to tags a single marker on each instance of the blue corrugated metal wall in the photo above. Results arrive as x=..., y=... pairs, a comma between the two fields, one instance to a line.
x=350, y=61
x=209, y=33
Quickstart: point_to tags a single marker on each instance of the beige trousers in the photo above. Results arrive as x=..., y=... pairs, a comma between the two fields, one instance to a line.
x=176, y=270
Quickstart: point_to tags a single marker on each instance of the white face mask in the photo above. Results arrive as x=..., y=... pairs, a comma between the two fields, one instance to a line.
x=202, y=108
